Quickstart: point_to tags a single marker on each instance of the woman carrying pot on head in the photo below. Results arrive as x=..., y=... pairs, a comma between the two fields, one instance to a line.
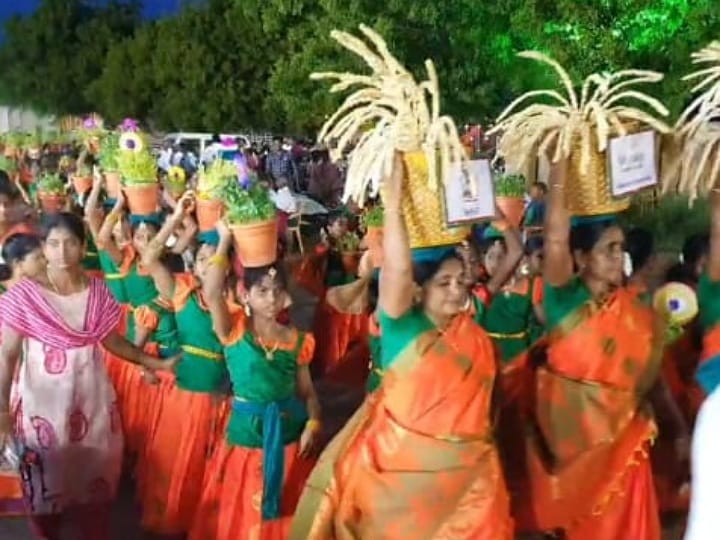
x=590, y=471
x=65, y=427
x=255, y=476
x=191, y=412
x=417, y=461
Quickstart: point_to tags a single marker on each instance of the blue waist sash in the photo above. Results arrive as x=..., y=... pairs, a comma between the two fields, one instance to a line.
x=273, y=447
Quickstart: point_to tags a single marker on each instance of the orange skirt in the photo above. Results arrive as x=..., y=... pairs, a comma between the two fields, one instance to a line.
x=229, y=508
x=177, y=453
x=603, y=495
x=342, y=355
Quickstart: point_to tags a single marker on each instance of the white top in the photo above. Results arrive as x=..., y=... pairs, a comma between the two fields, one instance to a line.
x=284, y=200
x=704, y=520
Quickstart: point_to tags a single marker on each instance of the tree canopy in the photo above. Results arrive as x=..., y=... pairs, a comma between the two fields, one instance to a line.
x=242, y=64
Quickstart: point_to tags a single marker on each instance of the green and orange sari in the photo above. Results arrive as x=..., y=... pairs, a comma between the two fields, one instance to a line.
x=417, y=461
x=588, y=457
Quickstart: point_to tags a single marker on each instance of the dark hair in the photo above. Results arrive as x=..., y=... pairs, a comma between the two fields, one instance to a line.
x=253, y=276
x=173, y=262
x=694, y=248
x=6, y=187
x=134, y=225
x=373, y=293
x=533, y=244
x=541, y=186
x=63, y=220
x=424, y=271
x=277, y=139
x=334, y=215
x=15, y=249
x=584, y=236
x=640, y=245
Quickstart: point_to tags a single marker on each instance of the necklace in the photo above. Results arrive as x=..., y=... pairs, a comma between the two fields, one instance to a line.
x=269, y=351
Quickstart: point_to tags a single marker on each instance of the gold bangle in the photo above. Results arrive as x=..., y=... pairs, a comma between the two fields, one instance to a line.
x=313, y=424
x=219, y=260
x=113, y=217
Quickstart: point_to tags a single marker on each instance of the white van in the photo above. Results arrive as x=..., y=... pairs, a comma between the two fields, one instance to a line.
x=197, y=142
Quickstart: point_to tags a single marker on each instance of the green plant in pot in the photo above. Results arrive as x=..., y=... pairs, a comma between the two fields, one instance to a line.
x=33, y=144
x=213, y=179
x=109, y=148
x=510, y=196
x=51, y=192
x=252, y=216
x=13, y=142
x=138, y=169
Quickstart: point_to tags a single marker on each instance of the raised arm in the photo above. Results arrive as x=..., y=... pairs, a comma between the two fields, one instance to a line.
x=214, y=284
x=514, y=247
x=93, y=212
x=558, y=267
x=164, y=282
x=396, y=278
x=105, y=239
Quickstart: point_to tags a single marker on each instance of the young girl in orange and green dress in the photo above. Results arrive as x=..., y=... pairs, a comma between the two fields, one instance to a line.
x=191, y=413
x=255, y=475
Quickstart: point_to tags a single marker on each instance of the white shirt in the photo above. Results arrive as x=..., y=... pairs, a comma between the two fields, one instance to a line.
x=284, y=200
x=704, y=519
x=164, y=159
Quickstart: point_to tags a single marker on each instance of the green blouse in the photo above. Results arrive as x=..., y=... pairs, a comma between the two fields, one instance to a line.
x=708, y=293
x=559, y=302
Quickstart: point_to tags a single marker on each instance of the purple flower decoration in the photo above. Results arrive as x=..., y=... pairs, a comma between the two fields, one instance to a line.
x=242, y=170
x=129, y=124
x=90, y=123
x=228, y=142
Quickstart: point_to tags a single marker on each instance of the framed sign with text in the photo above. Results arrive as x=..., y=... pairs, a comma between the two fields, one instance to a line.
x=469, y=195
x=632, y=163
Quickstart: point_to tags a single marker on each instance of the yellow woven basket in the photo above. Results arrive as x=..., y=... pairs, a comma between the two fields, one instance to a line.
x=590, y=194
x=424, y=209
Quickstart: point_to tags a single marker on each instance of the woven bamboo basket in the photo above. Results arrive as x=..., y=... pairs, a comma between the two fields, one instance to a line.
x=590, y=194
x=424, y=209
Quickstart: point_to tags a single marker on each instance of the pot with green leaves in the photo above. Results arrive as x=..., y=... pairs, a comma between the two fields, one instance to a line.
x=51, y=193
x=349, y=247
x=138, y=169
x=510, y=197
x=109, y=148
x=82, y=180
x=33, y=145
x=13, y=143
x=373, y=240
x=252, y=218
x=209, y=206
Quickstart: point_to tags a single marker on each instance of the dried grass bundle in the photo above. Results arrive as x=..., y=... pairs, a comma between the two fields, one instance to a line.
x=390, y=110
x=601, y=110
x=696, y=164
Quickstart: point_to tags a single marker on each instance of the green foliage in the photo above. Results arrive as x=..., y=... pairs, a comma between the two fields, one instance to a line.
x=51, y=56
x=51, y=183
x=213, y=178
x=510, y=185
x=349, y=242
x=223, y=65
x=247, y=204
x=7, y=165
x=109, y=148
x=671, y=221
x=374, y=217
x=137, y=168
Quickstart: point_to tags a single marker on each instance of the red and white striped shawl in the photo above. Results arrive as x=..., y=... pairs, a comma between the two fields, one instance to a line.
x=26, y=310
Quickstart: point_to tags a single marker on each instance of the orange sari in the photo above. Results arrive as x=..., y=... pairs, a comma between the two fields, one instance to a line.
x=590, y=472
x=417, y=460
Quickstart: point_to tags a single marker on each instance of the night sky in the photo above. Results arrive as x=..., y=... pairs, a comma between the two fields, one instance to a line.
x=153, y=8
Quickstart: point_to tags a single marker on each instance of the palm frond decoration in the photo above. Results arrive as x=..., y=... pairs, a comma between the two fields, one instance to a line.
x=387, y=110
x=697, y=130
x=606, y=105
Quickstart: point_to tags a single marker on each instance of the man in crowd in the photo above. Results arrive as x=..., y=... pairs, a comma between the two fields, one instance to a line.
x=280, y=166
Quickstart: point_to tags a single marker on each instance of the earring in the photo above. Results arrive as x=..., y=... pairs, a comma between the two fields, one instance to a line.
x=468, y=304
x=247, y=310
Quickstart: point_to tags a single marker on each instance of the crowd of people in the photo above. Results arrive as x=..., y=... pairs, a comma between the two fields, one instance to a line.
x=504, y=386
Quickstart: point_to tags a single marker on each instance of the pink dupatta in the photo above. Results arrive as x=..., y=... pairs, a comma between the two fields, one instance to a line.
x=24, y=309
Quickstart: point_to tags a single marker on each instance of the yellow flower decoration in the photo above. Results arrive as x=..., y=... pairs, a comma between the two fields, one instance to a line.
x=176, y=175
x=131, y=142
